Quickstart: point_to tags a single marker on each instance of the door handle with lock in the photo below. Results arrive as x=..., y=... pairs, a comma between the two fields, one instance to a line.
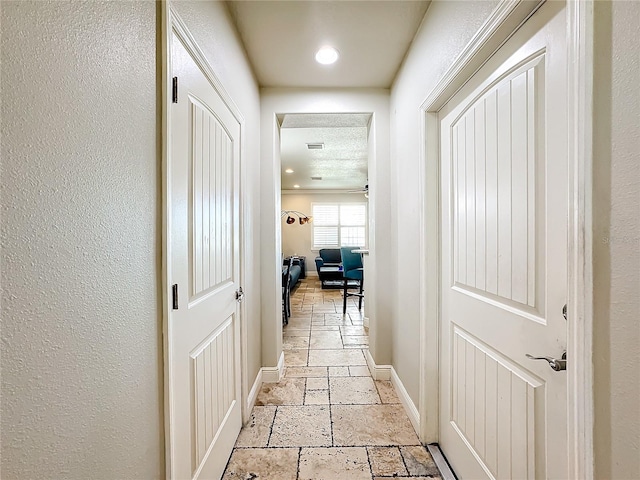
x=239, y=295
x=557, y=364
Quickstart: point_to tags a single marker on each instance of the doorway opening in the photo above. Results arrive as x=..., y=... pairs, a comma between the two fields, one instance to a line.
x=324, y=168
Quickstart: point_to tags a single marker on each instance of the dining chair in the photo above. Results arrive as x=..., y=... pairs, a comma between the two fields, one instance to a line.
x=352, y=270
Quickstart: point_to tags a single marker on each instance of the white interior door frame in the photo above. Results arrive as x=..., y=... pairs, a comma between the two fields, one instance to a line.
x=172, y=23
x=502, y=23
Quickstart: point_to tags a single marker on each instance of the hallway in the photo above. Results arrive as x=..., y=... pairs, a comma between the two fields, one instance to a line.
x=327, y=418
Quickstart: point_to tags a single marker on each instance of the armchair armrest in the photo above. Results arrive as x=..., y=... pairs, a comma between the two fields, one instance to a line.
x=319, y=263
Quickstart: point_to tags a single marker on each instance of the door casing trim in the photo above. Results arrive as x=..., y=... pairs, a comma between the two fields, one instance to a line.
x=172, y=23
x=508, y=16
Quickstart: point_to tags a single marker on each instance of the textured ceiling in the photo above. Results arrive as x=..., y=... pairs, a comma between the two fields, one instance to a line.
x=341, y=164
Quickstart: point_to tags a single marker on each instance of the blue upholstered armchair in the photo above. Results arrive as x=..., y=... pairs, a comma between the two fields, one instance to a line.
x=328, y=257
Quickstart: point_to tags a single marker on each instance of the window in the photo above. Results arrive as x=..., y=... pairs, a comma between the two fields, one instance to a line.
x=338, y=225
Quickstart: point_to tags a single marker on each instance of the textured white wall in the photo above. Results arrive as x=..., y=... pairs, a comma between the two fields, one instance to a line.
x=617, y=240
x=81, y=324
x=276, y=101
x=446, y=29
x=211, y=26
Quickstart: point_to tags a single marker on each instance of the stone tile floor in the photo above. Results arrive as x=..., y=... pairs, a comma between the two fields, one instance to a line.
x=327, y=419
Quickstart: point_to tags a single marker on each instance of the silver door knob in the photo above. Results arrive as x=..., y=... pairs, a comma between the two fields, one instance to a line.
x=557, y=364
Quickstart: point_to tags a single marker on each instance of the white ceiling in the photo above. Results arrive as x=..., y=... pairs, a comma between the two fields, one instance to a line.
x=281, y=38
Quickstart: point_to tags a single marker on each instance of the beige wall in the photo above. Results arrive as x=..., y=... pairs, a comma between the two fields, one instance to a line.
x=81, y=316
x=446, y=29
x=82, y=389
x=296, y=238
x=616, y=240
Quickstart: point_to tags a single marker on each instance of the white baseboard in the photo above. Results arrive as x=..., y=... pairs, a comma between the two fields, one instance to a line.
x=253, y=393
x=378, y=372
x=273, y=374
x=407, y=403
x=387, y=372
x=365, y=322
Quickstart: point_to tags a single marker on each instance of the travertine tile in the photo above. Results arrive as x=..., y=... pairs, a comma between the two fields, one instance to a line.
x=325, y=340
x=353, y=390
x=419, y=461
x=387, y=392
x=288, y=391
x=362, y=340
x=336, y=358
x=289, y=343
x=339, y=371
x=326, y=334
x=256, y=432
x=301, y=426
x=338, y=321
x=325, y=328
x=386, y=461
x=324, y=308
x=305, y=372
x=359, y=425
x=360, y=371
x=288, y=331
x=317, y=384
x=316, y=397
x=299, y=323
x=334, y=463
x=262, y=463
x=296, y=358
x=334, y=317
x=353, y=330
x=318, y=357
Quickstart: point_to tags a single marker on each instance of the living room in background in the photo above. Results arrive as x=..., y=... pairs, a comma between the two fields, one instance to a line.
x=339, y=224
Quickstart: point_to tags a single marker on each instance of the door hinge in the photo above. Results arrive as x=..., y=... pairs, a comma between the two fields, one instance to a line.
x=174, y=97
x=174, y=292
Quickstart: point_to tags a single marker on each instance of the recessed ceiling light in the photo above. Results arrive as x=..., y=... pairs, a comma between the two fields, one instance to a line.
x=288, y=170
x=296, y=186
x=326, y=55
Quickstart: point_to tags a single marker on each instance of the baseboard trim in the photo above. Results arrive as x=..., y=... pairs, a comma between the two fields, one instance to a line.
x=273, y=374
x=365, y=321
x=378, y=372
x=253, y=393
x=407, y=403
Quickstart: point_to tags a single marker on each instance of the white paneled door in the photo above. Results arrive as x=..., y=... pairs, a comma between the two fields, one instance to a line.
x=204, y=343
x=504, y=260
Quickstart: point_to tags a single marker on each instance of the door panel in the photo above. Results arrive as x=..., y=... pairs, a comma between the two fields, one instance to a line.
x=504, y=248
x=204, y=333
x=495, y=405
x=212, y=186
x=494, y=143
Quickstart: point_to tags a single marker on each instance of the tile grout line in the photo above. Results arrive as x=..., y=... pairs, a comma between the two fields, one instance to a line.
x=366, y=449
x=273, y=422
